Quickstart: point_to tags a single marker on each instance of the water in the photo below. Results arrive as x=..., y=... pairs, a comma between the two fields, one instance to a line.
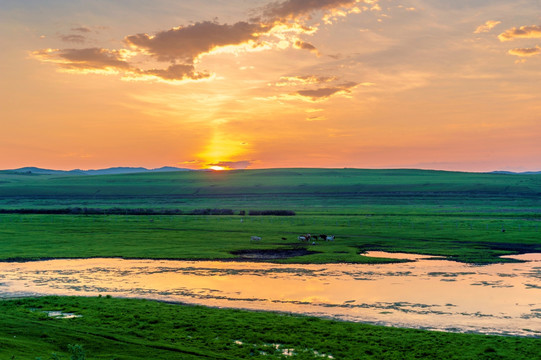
x=427, y=293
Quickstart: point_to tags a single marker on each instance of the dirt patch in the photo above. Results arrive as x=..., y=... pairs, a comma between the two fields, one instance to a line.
x=271, y=254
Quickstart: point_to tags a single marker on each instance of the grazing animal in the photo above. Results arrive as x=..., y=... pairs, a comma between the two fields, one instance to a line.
x=323, y=237
x=255, y=238
x=284, y=238
x=302, y=238
x=330, y=238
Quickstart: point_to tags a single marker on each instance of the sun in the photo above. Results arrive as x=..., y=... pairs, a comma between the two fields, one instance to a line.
x=217, y=168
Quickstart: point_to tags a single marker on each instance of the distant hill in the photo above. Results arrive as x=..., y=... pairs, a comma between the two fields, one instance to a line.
x=108, y=171
x=516, y=173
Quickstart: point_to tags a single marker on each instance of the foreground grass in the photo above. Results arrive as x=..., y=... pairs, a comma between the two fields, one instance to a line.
x=111, y=328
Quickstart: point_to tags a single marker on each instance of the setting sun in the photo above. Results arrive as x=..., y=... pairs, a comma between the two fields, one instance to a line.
x=217, y=168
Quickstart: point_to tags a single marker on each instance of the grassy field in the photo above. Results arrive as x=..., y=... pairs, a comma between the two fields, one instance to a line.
x=465, y=238
x=463, y=216
x=112, y=328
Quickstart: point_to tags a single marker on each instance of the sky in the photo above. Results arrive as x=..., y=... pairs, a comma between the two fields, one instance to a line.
x=233, y=84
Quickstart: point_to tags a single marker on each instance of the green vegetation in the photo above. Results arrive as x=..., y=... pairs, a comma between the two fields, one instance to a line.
x=462, y=216
x=111, y=328
x=465, y=238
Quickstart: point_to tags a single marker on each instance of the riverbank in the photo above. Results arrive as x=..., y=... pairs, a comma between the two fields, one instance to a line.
x=139, y=329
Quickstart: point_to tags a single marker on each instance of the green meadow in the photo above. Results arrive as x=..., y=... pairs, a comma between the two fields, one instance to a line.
x=465, y=217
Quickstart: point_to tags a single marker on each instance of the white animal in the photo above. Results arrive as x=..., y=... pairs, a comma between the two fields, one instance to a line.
x=255, y=238
x=330, y=238
x=302, y=238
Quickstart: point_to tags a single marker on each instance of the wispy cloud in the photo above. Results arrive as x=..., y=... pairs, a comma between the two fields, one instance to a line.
x=233, y=164
x=487, y=26
x=82, y=29
x=304, y=80
x=75, y=38
x=325, y=92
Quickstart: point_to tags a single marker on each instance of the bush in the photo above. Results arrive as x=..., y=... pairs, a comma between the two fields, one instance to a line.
x=272, y=212
x=212, y=212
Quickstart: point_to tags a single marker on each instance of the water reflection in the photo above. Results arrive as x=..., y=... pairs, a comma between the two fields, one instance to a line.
x=427, y=293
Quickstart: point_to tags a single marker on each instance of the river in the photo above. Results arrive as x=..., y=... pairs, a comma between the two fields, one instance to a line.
x=426, y=293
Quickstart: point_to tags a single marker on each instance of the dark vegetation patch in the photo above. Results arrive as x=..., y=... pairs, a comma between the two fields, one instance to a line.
x=272, y=212
x=271, y=254
x=142, y=211
x=519, y=248
x=212, y=212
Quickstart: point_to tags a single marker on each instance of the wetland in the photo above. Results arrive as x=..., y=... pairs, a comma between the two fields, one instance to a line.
x=425, y=293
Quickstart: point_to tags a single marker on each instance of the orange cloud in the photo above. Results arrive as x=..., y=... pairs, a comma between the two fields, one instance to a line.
x=304, y=80
x=523, y=32
x=525, y=52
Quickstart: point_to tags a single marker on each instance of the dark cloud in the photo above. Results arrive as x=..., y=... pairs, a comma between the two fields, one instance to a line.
x=90, y=58
x=233, y=164
x=75, y=38
x=186, y=43
x=524, y=32
x=326, y=92
x=305, y=46
x=295, y=9
x=176, y=72
x=181, y=46
x=103, y=59
x=93, y=58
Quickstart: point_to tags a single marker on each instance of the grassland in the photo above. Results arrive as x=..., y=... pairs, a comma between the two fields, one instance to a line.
x=461, y=216
x=112, y=328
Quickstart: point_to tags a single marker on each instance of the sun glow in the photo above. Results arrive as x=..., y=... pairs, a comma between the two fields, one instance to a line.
x=217, y=168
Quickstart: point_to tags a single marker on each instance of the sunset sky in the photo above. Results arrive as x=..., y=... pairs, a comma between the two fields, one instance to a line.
x=433, y=84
